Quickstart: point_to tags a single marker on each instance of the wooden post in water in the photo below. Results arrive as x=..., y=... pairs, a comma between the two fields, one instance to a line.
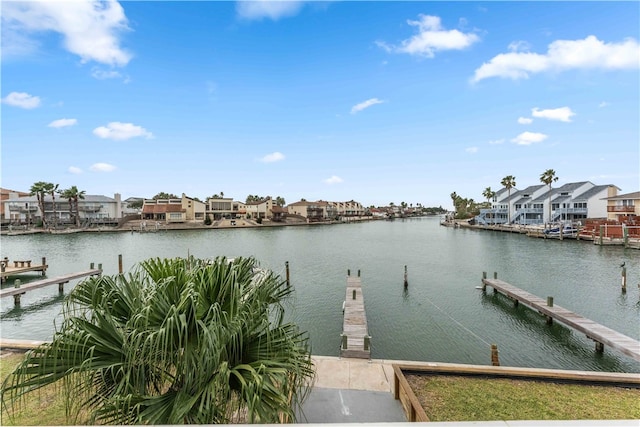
x=344, y=341
x=44, y=268
x=406, y=281
x=495, y=358
x=550, y=304
x=120, y=264
x=348, y=272
x=286, y=266
x=61, y=286
x=601, y=234
x=358, y=273
x=484, y=285
x=624, y=279
x=16, y=297
x=91, y=266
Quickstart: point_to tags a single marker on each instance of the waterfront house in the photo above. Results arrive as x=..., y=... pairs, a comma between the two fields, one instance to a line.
x=91, y=209
x=6, y=194
x=570, y=202
x=261, y=209
x=624, y=207
x=221, y=207
x=184, y=209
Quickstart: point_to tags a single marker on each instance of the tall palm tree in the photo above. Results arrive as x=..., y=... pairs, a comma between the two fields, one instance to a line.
x=547, y=177
x=175, y=341
x=73, y=195
x=489, y=194
x=508, y=182
x=40, y=189
x=52, y=189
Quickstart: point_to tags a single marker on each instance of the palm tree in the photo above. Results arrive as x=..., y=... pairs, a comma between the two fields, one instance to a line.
x=40, y=189
x=489, y=194
x=72, y=195
x=52, y=189
x=547, y=177
x=508, y=182
x=175, y=341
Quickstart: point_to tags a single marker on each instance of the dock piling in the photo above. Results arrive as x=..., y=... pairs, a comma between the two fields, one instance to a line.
x=495, y=357
x=286, y=266
x=120, y=264
x=406, y=281
x=624, y=280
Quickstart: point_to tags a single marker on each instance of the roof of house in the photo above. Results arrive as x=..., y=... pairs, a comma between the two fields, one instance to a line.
x=592, y=192
x=6, y=192
x=627, y=196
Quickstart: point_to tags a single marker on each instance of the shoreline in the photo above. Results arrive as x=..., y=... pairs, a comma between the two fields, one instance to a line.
x=134, y=226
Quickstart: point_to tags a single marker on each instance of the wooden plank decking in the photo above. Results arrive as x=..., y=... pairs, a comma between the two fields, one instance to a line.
x=354, y=329
x=20, y=267
x=595, y=331
x=60, y=280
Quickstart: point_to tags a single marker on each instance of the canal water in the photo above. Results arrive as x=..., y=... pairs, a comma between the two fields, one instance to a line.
x=441, y=317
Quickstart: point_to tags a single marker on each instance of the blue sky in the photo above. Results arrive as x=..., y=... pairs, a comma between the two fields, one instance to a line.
x=374, y=101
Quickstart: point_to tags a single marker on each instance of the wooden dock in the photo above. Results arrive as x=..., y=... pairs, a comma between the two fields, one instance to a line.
x=594, y=331
x=356, y=341
x=16, y=292
x=11, y=268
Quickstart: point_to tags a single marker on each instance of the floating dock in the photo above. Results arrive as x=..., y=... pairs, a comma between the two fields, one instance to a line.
x=356, y=342
x=16, y=292
x=594, y=331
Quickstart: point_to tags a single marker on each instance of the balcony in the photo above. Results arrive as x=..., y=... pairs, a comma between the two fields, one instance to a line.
x=89, y=208
x=621, y=209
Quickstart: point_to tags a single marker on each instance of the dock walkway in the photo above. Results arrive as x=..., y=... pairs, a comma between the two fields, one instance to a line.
x=60, y=281
x=355, y=335
x=595, y=331
x=19, y=267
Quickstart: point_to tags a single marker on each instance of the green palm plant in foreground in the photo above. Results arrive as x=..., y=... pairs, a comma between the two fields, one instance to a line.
x=175, y=341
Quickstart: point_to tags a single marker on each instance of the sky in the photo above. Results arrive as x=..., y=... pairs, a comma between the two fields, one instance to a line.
x=376, y=102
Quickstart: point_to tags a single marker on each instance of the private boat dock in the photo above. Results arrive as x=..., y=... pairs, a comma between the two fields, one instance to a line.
x=356, y=342
x=19, y=267
x=594, y=331
x=17, y=291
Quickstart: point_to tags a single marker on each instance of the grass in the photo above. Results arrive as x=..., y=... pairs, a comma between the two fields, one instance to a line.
x=42, y=407
x=451, y=398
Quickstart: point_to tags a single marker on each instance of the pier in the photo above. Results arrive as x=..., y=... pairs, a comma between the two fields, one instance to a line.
x=594, y=331
x=16, y=292
x=356, y=342
x=10, y=268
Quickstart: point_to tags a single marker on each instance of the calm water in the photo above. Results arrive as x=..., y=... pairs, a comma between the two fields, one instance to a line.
x=442, y=317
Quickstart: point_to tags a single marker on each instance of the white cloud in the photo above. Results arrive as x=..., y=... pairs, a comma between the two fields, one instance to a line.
x=61, y=123
x=121, y=131
x=562, y=114
x=100, y=74
x=74, y=170
x=273, y=157
x=90, y=29
x=525, y=120
x=603, y=104
x=589, y=53
x=333, y=180
x=272, y=9
x=528, y=138
x=102, y=167
x=22, y=100
x=519, y=46
x=472, y=150
x=366, y=104
x=496, y=141
x=431, y=38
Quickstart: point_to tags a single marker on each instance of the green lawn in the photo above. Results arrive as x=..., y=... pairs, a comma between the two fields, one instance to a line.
x=451, y=398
